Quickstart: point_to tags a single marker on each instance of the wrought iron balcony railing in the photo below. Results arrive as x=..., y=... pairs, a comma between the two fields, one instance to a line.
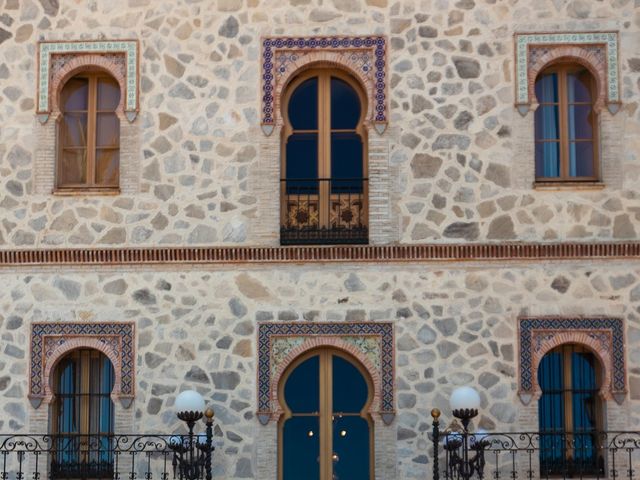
x=324, y=211
x=535, y=455
x=150, y=457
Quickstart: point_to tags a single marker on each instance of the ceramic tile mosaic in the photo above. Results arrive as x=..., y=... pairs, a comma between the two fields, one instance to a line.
x=119, y=337
x=368, y=53
x=524, y=43
x=535, y=332
x=48, y=49
x=372, y=339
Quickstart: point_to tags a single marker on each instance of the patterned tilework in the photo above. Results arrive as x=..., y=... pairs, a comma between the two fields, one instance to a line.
x=525, y=43
x=116, y=337
x=276, y=340
x=127, y=47
x=367, y=53
x=607, y=332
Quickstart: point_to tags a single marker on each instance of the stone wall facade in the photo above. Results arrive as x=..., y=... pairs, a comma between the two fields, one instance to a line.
x=450, y=162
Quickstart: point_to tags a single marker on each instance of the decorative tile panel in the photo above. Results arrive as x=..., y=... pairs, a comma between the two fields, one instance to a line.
x=365, y=56
x=278, y=342
x=48, y=51
x=605, y=336
x=51, y=341
x=598, y=48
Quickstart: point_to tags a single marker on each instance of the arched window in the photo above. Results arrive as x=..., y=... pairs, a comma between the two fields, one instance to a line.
x=324, y=184
x=89, y=134
x=325, y=433
x=570, y=412
x=82, y=416
x=566, y=125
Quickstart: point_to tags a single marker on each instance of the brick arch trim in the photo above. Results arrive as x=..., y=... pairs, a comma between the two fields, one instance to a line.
x=51, y=341
x=581, y=338
x=604, y=336
x=333, y=343
x=94, y=343
x=87, y=63
x=571, y=54
x=326, y=59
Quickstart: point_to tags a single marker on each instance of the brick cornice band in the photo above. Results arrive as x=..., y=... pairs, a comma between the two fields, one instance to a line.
x=320, y=254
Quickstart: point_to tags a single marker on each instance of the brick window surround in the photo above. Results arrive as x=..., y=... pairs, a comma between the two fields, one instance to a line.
x=598, y=52
x=57, y=63
x=365, y=59
x=50, y=342
x=601, y=335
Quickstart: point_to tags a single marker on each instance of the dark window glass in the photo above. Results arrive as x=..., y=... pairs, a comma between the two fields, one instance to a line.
x=302, y=164
x=345, y=105
x=302, y=390
x=350, y=389
x=547, y=88
x=581, y=159
x=547, y=122
x=580, y=122
x=303, y=106
x=351, y=448
x=75, y=95
x=579, y=87
x=301, y=449
x=108, y=94
x=346, y=163
x=548, y=159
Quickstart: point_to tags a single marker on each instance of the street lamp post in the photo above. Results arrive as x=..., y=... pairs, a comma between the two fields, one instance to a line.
x=465, y=451
x=192, y=453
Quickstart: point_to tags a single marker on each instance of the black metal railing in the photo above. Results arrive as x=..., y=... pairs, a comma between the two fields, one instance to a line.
x=324, y=211
x=529, y=455
x=149, y=457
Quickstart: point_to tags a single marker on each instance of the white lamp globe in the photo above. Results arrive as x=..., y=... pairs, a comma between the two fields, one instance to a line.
x=464, y=398
x=189, y=401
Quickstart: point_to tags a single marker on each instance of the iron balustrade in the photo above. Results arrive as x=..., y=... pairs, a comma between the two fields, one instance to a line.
x=149, y=457
x=324, y=211
x=538, y=455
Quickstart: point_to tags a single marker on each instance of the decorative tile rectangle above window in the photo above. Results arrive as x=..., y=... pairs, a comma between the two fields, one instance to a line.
x=598, y=51
x=603, y=336
x=54, y=59
x=364, y=56
x=371, y=343
x=51, y=341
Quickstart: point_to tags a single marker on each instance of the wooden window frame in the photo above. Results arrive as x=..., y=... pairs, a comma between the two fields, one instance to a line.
x=566, y=350
x=562, y=70
x=324, y=132
x=326, y=409
x=92, y=113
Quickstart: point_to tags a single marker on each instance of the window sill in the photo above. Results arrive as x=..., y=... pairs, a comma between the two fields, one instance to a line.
x=558, y=186
x=81, y=192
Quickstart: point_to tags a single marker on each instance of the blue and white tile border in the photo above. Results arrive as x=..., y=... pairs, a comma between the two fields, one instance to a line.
x=524, y=42
x=51, y=340
x=129, y=48
x=269, y=332
x=604, y=335
x=274, y=66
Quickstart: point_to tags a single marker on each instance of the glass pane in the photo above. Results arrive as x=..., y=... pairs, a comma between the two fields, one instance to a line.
x=75, y=94
x=302, y=163
x=351, y=448
x=108, y=94
x=579, y=86
x=345, y=105
x=346, y=163
x=302, y=390
x=547, y=159
x=581, y=159
x=547, y=88
x=108, y=130
x=350, y=390
x=546, y=120
x=303, y=106
x=580, y=122
x=74, y=130
x=551, y=404
x=73, y=167
x=301, y=449
x=107, y=167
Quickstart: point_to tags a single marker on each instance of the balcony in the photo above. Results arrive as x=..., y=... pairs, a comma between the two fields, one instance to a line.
x=324, y=211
